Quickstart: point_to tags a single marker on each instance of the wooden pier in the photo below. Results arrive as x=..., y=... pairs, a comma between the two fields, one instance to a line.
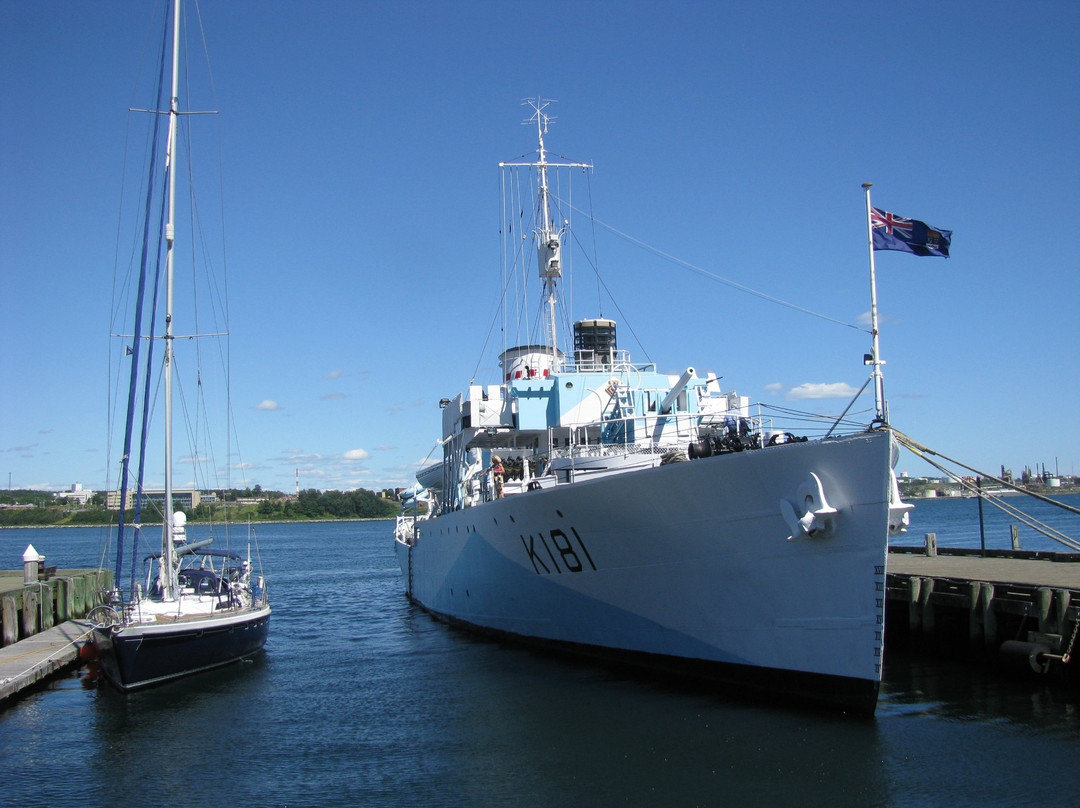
x=32, y=660
x=1020, y=608
x=50, y=598
x=40, y=622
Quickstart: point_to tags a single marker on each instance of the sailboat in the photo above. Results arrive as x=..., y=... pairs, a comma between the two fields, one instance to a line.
x=193, y=607
x=592, y=504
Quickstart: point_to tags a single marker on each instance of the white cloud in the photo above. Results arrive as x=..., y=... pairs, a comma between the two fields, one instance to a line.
x=810, y=390
x=333, y=374
x=356, y=454
x=864, y=319
x=775, y=387
x=266, y=405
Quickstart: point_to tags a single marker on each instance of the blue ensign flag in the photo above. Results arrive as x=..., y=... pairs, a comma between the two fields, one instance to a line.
x=892, y=232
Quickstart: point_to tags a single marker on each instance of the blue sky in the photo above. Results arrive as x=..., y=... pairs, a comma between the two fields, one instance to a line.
x=360, y=148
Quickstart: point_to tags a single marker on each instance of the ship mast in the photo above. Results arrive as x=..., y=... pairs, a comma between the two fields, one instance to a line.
x=548, y=235
x=548, y=244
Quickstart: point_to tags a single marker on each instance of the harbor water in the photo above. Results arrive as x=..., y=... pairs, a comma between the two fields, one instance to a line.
x=360, y=698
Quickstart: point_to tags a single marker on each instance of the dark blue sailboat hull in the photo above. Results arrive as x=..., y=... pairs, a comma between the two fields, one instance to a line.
x=137, y=656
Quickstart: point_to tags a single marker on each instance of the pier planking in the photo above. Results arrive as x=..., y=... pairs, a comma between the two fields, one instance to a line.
x=31, y=660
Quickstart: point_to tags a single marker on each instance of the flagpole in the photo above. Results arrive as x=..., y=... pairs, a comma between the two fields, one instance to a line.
x=881, y=407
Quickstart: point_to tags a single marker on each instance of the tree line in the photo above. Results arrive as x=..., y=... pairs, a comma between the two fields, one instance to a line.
x=273, y=506
x=315, y=504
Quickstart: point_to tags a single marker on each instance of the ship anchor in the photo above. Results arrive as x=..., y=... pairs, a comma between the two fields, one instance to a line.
x=816, y=520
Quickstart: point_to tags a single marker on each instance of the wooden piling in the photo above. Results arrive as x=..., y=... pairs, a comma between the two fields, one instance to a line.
x=989, y=616
x=30, y=600
x=926, y=607
x=967, y=602
x=976, y=632
x=930, y=544
x=9, y=613
x=914, y=583
x=28, y=609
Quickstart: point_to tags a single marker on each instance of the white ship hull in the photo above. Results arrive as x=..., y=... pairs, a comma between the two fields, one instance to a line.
x=689, y=566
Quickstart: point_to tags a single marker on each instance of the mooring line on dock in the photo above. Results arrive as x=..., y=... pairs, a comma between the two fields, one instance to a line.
x=40, y=662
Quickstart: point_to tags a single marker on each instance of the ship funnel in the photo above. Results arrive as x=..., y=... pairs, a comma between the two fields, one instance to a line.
x=594, y=343
x=529, y=362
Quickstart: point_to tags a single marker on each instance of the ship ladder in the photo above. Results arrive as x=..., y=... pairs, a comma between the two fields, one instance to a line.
x=618, y=429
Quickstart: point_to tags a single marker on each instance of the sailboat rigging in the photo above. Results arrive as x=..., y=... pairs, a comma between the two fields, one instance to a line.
x=197, y=608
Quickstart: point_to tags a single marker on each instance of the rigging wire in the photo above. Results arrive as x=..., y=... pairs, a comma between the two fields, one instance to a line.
x=200, y=427
x=515, y=264
x=625, y=320
x=596, y=251
x=924, y=452
x=1002, y=505
x=208, y=297
x=232, y=444
x=134, y=370
x=719, y=278
x=213, y=280
x=917, y=448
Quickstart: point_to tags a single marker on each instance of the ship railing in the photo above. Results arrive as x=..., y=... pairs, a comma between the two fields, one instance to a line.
x=650, y=433
x=259, y=588
x=771, y=425
x=679, y=431
x=665, y=432
x=671, y=437
x=613, y=450
x=616, y=363
x=405, y=529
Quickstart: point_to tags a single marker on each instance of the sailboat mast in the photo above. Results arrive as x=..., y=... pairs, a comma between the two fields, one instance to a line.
x=168, y=573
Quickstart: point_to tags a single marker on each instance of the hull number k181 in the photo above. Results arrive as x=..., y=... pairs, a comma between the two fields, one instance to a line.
x=557, y=553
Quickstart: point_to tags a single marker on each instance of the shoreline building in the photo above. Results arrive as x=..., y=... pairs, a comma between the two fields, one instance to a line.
x=182, y=499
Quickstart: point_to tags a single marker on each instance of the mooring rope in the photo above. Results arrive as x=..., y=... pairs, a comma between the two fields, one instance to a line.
x=59, y=650
x=917, y=448
x=1048, y=531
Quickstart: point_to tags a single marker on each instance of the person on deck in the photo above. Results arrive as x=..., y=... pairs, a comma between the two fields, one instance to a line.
x=497, y=474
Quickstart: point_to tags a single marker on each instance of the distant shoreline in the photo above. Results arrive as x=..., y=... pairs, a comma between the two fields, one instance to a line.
x=158, y=524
